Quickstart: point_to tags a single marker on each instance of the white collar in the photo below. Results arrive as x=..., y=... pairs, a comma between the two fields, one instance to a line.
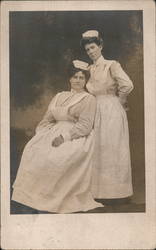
x=100, y=60
x=73, y=91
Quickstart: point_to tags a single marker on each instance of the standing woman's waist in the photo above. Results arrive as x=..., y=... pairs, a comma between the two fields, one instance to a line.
x=106, y=94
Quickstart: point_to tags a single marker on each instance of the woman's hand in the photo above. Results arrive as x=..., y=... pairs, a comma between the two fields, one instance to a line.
x=123, y=101
x=57, y=141
x=72, y=118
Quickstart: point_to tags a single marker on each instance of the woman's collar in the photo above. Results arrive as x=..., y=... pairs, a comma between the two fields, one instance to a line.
x=99, y=60
x=73, y=91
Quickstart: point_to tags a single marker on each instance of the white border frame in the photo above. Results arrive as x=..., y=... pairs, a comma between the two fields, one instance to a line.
x=82, y=231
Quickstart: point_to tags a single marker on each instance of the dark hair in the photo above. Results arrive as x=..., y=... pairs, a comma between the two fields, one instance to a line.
x=89, y=40
x=72, y=71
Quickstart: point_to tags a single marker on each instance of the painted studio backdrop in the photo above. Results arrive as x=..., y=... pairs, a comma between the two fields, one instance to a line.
x=42, y=45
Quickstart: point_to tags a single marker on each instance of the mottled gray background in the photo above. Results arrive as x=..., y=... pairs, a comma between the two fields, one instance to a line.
x=42, y=44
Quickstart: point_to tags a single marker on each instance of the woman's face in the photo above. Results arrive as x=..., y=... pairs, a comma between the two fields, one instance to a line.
x=93, y=51
x=78, y=81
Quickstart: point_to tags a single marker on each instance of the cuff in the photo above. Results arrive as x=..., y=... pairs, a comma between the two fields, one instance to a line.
x=123, y=98
x=66, y=136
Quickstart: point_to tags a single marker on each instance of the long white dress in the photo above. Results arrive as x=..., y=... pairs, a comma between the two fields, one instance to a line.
x=58, y=179
x=112, y=166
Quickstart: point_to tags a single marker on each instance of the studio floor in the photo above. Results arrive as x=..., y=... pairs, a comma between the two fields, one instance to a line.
x=129, y=207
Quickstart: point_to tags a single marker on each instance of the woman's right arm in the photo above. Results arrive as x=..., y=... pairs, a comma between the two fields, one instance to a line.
x=48, y=119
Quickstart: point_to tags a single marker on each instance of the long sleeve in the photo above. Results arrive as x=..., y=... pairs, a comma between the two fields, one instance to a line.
x=47, y=120
x=124, y=83
x=85, y=121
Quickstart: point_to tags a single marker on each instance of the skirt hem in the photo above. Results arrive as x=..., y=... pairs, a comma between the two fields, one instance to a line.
x=82, y=208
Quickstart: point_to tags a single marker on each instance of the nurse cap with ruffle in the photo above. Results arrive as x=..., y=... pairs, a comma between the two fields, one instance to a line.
x=90, y=33
x=91, y=36
x=80, y=65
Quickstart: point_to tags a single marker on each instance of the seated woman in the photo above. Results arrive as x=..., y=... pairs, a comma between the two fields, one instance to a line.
x=56, y=165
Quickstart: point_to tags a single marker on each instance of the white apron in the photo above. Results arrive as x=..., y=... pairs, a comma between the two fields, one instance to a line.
x=56, y=179
x=111, y=165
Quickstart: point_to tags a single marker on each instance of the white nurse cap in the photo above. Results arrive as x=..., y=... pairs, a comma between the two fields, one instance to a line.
x=80, y=64
x=90, y=33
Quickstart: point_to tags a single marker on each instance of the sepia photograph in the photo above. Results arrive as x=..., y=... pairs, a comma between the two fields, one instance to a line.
x=76, y=85
x=76, y=113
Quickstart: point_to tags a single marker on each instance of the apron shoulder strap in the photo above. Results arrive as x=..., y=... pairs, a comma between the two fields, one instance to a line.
x=79, y=98
x=109, y=63
x=54, y=101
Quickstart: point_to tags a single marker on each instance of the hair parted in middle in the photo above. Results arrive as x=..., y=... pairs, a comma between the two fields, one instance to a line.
x=88, y=40
x=72, y=70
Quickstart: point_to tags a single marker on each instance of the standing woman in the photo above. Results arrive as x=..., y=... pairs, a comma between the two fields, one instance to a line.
x=110, y=84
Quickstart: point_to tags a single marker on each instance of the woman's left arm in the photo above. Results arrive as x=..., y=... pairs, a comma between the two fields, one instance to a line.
x=85, y=122
x=124, y=83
